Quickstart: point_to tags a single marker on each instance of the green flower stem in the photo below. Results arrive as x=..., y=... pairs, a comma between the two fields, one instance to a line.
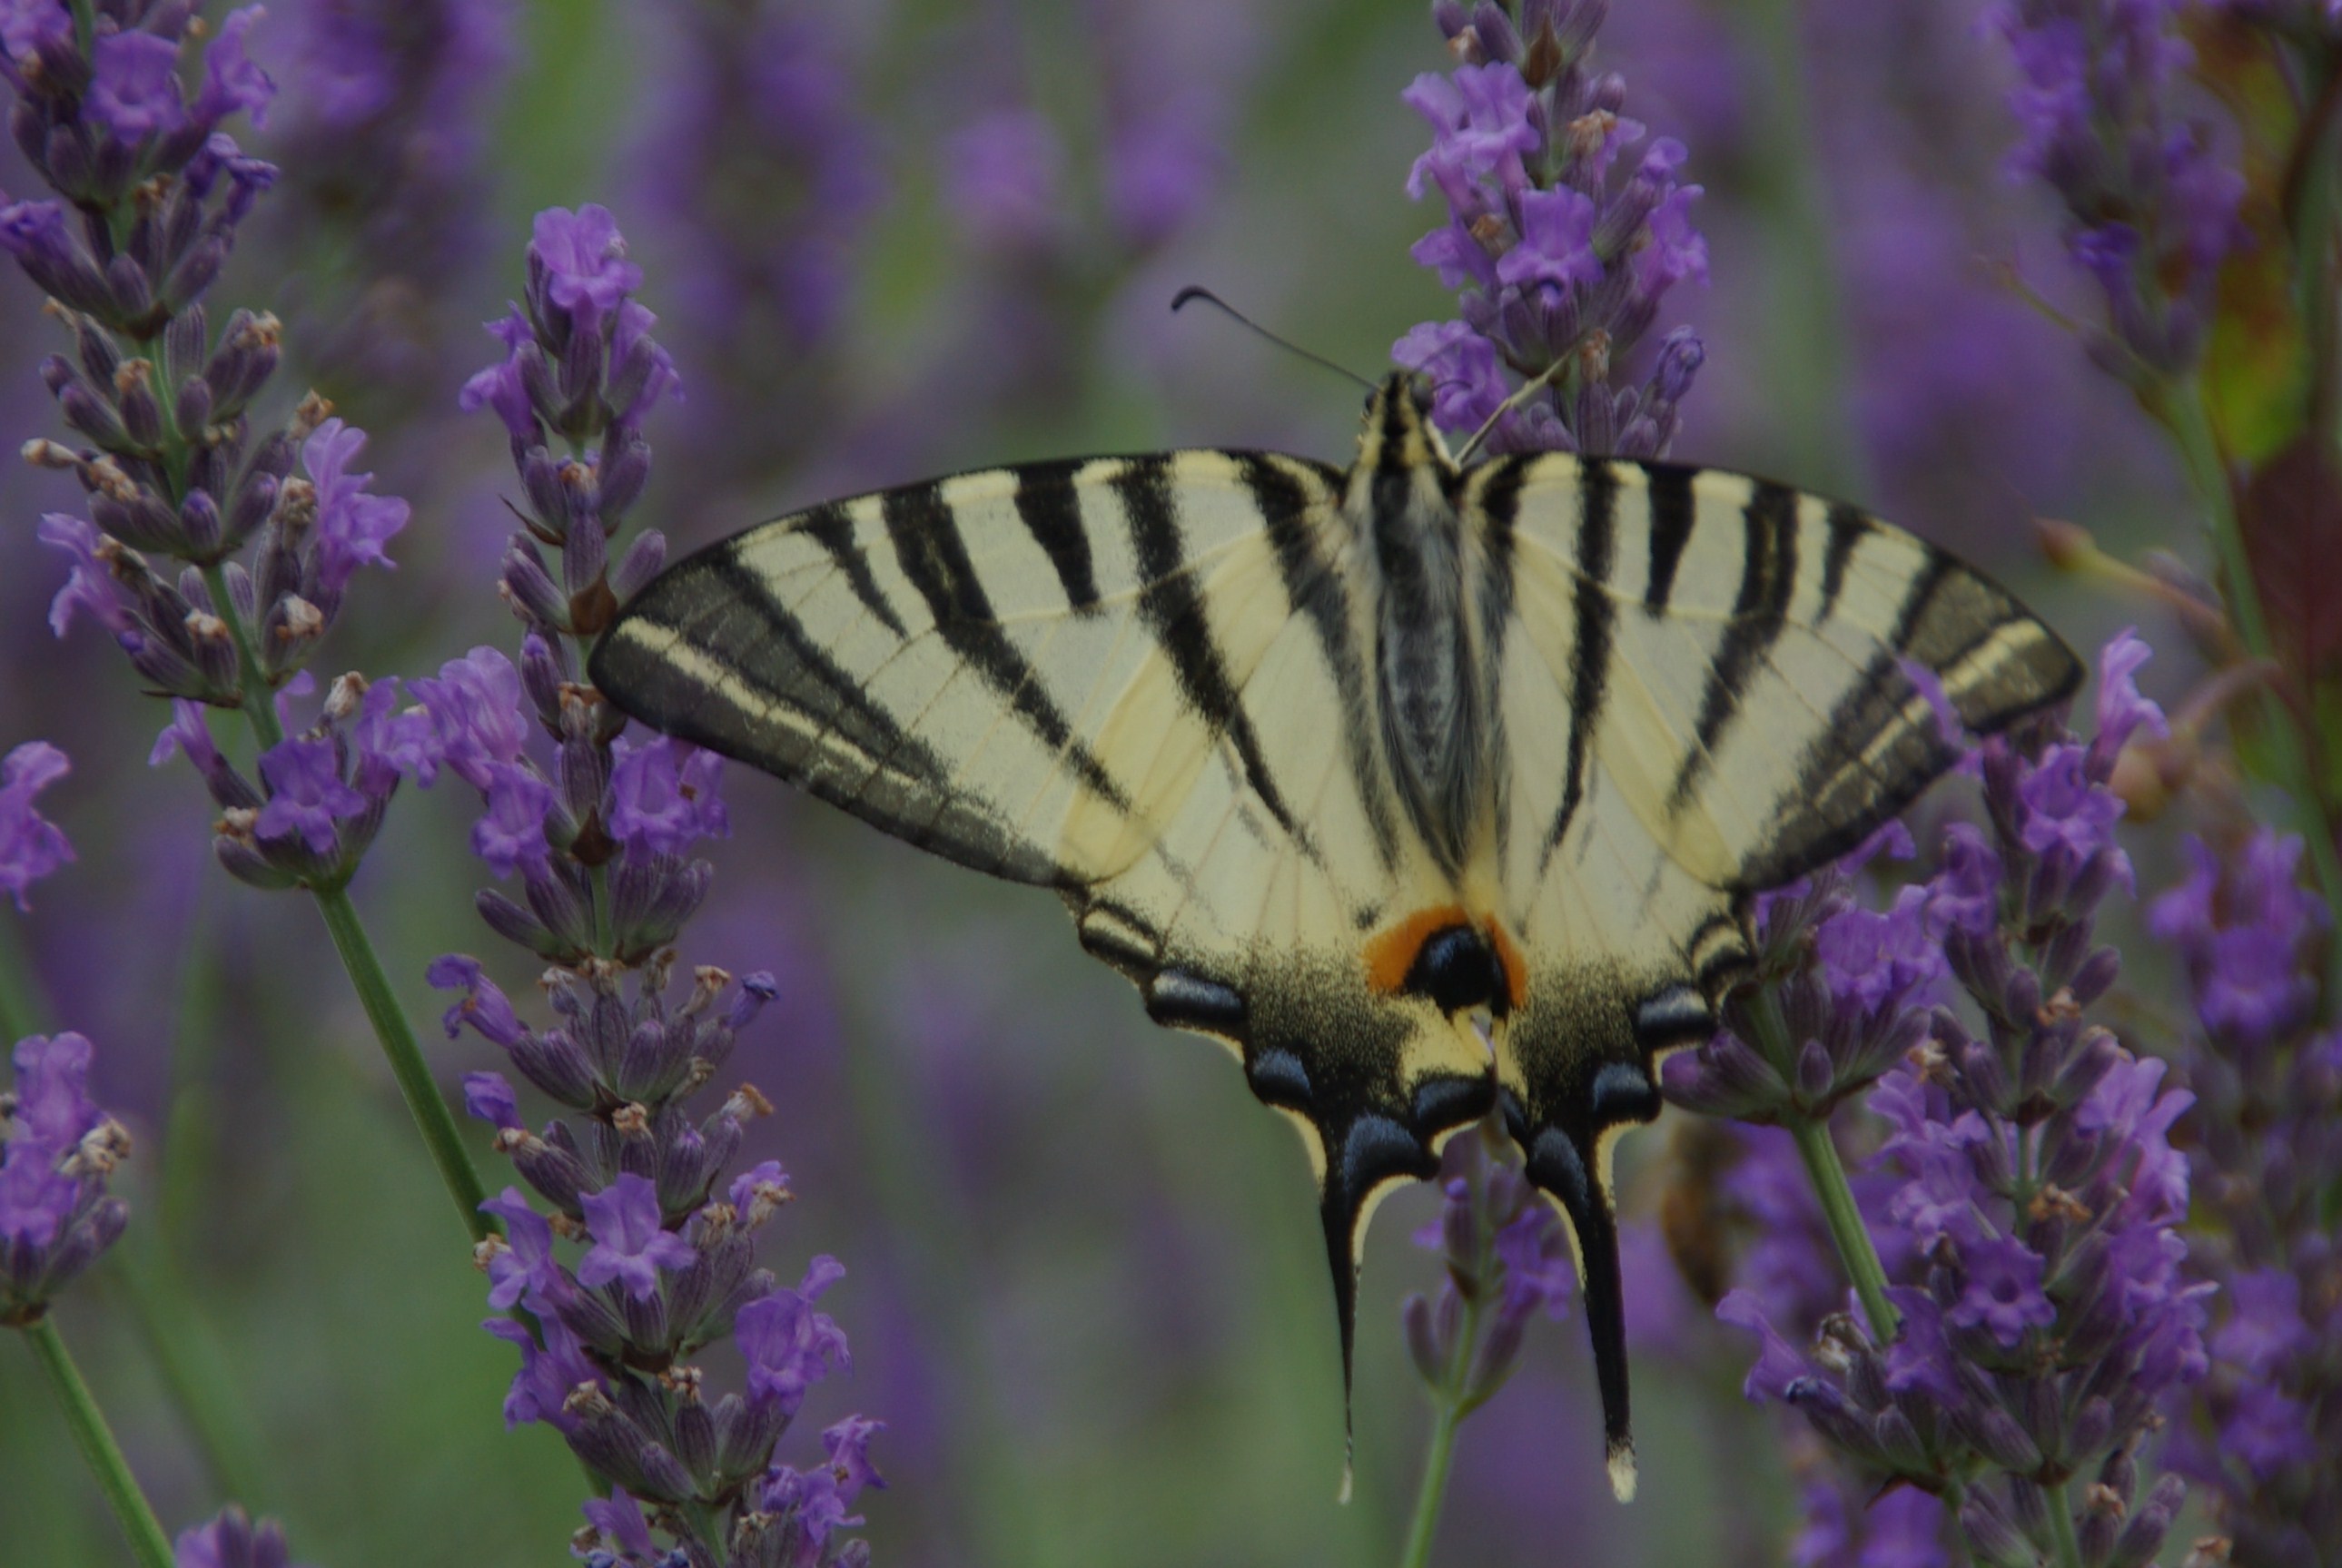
x=1450, y=1408
x=258, y=710
x=1828, y=1174
x=2192, y=424
x=432, y=1117
x=195, y=1374
x=148, y=1542
x=2062, y=1539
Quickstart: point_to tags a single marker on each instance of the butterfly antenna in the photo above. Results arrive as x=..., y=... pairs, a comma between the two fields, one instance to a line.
x=1529, y=389
x=1208, y=297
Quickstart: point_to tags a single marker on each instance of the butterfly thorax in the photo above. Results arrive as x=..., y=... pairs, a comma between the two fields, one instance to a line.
x=1414, y=551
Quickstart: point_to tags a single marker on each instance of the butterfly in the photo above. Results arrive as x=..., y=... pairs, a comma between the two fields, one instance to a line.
x=1430, y=789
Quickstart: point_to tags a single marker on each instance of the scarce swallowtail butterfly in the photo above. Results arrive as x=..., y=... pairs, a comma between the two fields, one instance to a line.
x=1426, y=788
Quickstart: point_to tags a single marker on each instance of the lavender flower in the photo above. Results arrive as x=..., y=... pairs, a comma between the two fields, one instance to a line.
x=2035, y=1311
x=1562, y=267
x=233, y=1541
x=2151, y=210
x=600, y=834
x=388, y=103
x=1506, y=1261
x=55, y=1216
x=2260, y=1431
x=322, y=795
x=31, y=846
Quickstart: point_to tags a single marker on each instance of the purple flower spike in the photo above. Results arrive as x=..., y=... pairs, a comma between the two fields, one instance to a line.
x=620, y=1520
x=477, y=714
x=306, y=794
x=31, y=846
x=233, y=1541
x=584, y=258
x=523, y=1269
x=134, y=84
x=629, y=1243
x=232, y=84
x=352, y=525
x=2002, y=1294
x=1561, y=264
x=489, y=1097
x=511, y=835
x=91, y=586
x=789, y=1345
x=484, y=1007
x=663, y=797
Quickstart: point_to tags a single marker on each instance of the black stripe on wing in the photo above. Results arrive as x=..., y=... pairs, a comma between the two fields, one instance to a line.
x=1317, y=589
x=933, y=555
x=1172, y=605
x=1672, y=511
x=1768, y=576
x=1592, y=611
x=831, y=526
x=1051, y=511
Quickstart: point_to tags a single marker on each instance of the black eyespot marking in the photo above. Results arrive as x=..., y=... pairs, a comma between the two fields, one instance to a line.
x=1450, y=1102
x=1279, y=1078
x=1185, y=1001
x=1622, y=1091
x=1457, y=969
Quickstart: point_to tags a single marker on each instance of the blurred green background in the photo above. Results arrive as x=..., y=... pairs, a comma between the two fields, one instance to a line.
x=1086, y=1288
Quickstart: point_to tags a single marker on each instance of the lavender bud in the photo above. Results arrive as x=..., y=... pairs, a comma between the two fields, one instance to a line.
x=127, y=289
x=133, y=392
x=640, y=565
x=563, y=909
x=184, y=343
x=1498, y=41
x=199, y=521
x=1992, y=1534
x=2143, y=1537
x=626, y=468
x=195, y=271
x=531, y=589
x=1817, y=1074
x=583, y=560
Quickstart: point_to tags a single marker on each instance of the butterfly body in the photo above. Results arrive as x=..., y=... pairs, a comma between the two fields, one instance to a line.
x=1426, y=788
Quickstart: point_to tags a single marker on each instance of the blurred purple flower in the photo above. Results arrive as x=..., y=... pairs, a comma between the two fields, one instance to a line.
x=620, y=1520
x=232, y=84
x=134, y=84
x=90, y=585
x=484, y=1007
x=1003, y=179
x=2242, y=926
x=663, y=797
x=585, y=268
x=55, y=1216
x=2151, y=208
x=478, y=722
x=352, y=525
x=489, y=1097
x=31, y=846
x=630, y=1244
x=787, y=1345
x=510, y=834
x=307, y=795
x=232, y=1541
